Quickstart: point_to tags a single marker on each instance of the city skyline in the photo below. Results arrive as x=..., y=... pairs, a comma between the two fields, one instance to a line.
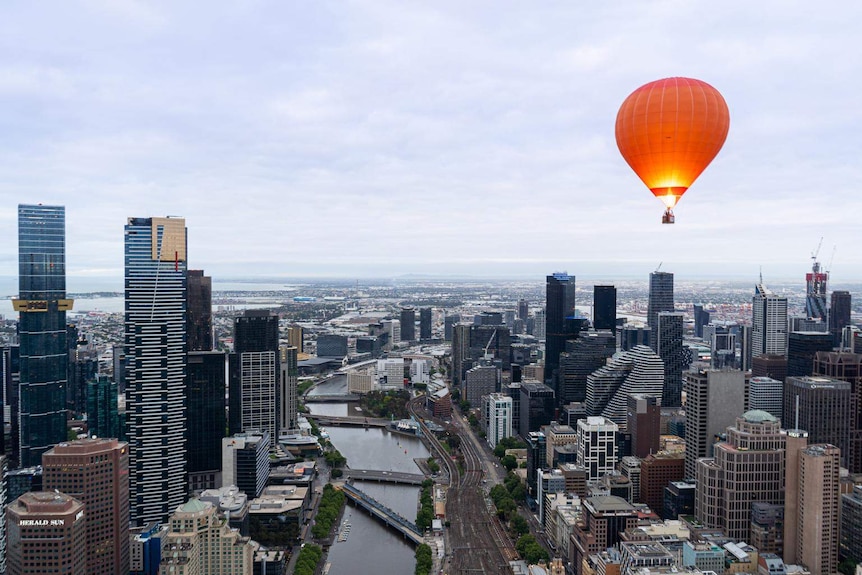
x=343, y=130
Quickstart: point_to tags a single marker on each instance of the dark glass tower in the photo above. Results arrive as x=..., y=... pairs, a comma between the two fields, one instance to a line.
x=200, y=311
x=408, y=324
x=669, y=331
x=660, y=299
x=839, y=315
x=155, y=339
x=559, y=305
x=701, y=319
x=425, y=323
x=205, y=385
x=802, y=347
x=102, y=415
x=605, y=308
x=44, y=353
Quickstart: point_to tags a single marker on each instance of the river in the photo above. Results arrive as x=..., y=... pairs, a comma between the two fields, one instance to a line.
x=372, y=547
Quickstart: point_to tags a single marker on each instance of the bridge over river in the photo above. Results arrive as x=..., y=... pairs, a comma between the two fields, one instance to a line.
x=407, y=528
x=384, y=476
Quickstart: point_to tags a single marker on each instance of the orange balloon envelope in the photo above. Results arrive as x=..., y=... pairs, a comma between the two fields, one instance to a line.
x=669, y=131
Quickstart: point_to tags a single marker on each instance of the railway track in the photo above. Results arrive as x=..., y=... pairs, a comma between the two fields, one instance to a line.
x=478, y=541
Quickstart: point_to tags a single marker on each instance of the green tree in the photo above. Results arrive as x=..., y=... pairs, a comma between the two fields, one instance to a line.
x=519, y=525
x=509, y=462
x=424, y=561
x=847, y=567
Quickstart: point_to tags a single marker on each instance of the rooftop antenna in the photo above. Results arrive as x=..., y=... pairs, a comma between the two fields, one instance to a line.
x=761, y=275
x=659, y=267
x=796, y=422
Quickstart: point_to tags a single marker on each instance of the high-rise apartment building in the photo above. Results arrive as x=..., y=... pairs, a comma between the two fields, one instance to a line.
x=478, y=381
x=825, y=409
x=294, y=337
x=205, y=414
x=815, y=292
x=597, y=446
x=668, y=331
x=638, y=370
x=660, y=299
x=47, y=534
x=817, y=530
x=200, y=311
x=714, y=399
x=747, y=467
x=287, y=385
x=605, y=308
x=408, y=324
x=44, y=354
x=497, y=415
x=839, y=315
x=95, y=472
x=768, y=323
x=254, y=372
x=795, y=442
x=449, y=325
x=523, y=309
x=582, y=357
x=425, y=323
x=559, y=305
x=155, y=340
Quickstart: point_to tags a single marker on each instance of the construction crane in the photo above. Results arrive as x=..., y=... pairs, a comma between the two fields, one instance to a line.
x=815, y=253
x=490, y=341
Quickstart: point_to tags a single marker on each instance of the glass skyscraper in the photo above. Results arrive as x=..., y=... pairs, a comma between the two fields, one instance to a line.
x=43, y=305
x=155, y=340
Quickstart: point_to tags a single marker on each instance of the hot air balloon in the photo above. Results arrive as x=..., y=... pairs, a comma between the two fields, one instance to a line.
x=669, y=131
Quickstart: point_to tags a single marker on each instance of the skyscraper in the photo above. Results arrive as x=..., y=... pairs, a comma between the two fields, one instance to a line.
x=44, y=354
x=523, y=309
x=605, y=308
x=668, y=330
x=200, y=311
x=839, y=314
x=825, y=410
x=818, y=525
x=95, y=472
x=40, y=517
x=846, y=366
x=560, y=305
x=714, y=399
x=660, y=299
x=155, y=339
x=582, y=357
x=425, y=323
x=802, y=346
x=205, y=386
x=638, y=370
x=769, y=323
x=102, y=408
x=815, y=293
x=408, y=324
x=287, y=396
x=294, y=337
x=701, y=318
x=254, y=373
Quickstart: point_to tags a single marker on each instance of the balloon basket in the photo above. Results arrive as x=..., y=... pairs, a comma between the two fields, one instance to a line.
x=668, y=217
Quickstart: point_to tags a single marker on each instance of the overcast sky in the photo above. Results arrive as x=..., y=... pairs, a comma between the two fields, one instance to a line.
x=373, y=138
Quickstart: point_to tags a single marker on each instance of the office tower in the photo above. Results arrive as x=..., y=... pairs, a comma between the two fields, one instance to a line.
x=558, y=438
x=119, y=366
x=638, y=370
x=83, y=366
x=287, y=396
x=582, y=357
x=597, y=446
x=767, y=527
x=478, y=381
x=559, y=305
x=44, y=354
x=678, y=499
x=802, y=323
x=46, y=516
x=254, y=372
x=20, y=481
x=145, y=548
x=605, y=519
x=95, y=472
x=199, y=542
x=660, y=299
x=643, y=421
x=539, y=324
x=536, y=456
x=294, y=337
x=425, y=323
x=630, y=336
x=774, y=366
x=199, y=321
x=817, y=530
x=3, y=503
x=245, y=461
x=847, y=367
x=745, y=347
x=408, y=324
x=10, y=374
x=497, y=415
x=658, y=470
x=523, y=309
x=668, y=345
x=825, y=410
x=796, y=441
x=714, y=399
x=493, y=343
x=802, y=346
x=155, y=339
x=332, y=345
x=536, y=407
x=103, y=418
x=766, y=394
x=449, y=326
x=460, y=353
x=605, y=308
x=205, y=416
x=488, y=318
x=768, y=323
x=851, y=525
x=839, y=315
x=701, y=318
x=747, y=467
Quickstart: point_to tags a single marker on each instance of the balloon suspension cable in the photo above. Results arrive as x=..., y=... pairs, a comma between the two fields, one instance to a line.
x=668, y=217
